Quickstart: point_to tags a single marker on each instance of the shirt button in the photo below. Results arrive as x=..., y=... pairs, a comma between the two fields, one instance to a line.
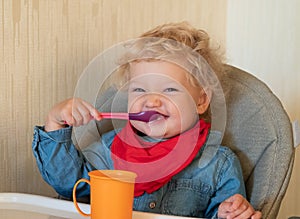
x=152, y=205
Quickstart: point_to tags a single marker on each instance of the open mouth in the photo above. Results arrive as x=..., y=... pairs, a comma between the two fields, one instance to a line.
x=147, y=116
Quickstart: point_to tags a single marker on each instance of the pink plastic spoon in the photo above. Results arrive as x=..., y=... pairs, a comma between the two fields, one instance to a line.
x=144, y=116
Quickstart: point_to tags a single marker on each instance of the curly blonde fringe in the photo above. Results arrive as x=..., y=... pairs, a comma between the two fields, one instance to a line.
x=166, y=40
x=196, y=39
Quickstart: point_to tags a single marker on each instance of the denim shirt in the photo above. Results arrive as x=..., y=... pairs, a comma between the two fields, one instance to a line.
x=213, y=176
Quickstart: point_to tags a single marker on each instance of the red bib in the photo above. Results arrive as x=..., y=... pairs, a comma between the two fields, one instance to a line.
x=155, y=163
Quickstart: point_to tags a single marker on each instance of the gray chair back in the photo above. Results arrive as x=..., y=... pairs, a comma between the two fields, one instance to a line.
x=259, y=131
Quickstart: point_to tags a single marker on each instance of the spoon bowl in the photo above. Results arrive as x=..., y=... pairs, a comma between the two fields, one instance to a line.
x=145, y=116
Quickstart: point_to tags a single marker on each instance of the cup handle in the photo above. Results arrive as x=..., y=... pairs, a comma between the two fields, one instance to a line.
x=74, y=197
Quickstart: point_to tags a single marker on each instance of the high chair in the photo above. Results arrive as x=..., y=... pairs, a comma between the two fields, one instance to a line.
x=259, y=131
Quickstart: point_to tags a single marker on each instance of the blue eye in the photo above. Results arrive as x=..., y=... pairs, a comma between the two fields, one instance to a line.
x=170, y=89
x=138, y=89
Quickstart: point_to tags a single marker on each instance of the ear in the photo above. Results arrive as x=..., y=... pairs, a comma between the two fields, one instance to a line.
x=203, y=102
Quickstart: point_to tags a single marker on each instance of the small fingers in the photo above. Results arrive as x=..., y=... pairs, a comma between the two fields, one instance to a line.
x=236, y=201
x=257, y=215
x=93, y=113
x=81, y=113
x=243, y=212
x=237, y=207
x=223, y=210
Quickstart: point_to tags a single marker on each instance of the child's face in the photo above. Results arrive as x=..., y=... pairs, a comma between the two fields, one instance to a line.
x=164, y=87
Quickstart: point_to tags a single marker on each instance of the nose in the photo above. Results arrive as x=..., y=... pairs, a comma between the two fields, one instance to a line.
x=152, y=100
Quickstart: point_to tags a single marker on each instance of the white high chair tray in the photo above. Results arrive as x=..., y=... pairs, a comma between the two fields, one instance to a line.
x=23, y=206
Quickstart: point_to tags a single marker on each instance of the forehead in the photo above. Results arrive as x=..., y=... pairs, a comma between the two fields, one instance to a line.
x=161, y=72
x=157, y=69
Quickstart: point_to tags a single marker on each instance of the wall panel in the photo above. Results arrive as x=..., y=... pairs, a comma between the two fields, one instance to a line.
x=44, y=47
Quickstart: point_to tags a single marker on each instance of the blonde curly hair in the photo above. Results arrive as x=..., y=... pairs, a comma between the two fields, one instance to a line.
x=180, y=43
x=197, y=39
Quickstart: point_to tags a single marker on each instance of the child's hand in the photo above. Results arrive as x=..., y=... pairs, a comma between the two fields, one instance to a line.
x=237, y=207
x=73, y=112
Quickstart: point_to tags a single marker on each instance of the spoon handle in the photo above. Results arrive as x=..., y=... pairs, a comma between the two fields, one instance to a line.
x=110, y=116
x=114, y=116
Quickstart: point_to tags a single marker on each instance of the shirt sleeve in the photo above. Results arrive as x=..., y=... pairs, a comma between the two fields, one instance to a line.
x=61, y=164
x=229, y=182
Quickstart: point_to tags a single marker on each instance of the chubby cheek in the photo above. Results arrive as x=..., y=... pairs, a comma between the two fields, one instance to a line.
x=188, y=117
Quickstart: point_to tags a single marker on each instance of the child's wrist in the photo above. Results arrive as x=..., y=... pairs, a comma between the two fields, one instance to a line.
x=51, y=125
